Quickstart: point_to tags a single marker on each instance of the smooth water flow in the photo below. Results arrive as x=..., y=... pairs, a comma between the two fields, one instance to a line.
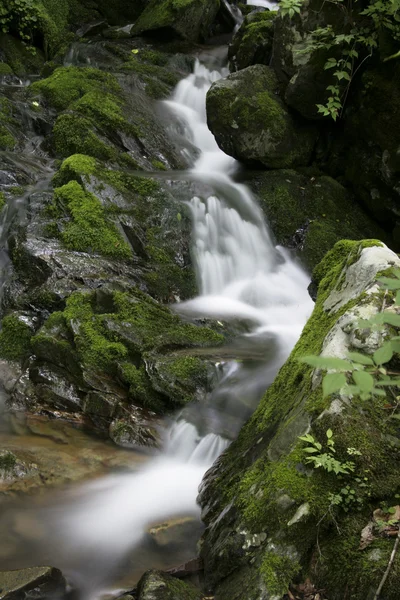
x=242, y=278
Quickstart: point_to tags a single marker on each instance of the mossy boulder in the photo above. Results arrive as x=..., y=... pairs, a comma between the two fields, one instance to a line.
x=252, y=43
x=250, y=121
x=131, y=338
x=310, y=212
x=270, y=519
x=188, y=19
x=156, y=585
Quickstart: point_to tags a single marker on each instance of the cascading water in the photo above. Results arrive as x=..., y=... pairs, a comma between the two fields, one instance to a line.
x=242, y=278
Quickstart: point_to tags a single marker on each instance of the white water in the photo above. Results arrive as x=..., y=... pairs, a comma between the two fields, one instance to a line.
x=242, y=276
x=264, y=4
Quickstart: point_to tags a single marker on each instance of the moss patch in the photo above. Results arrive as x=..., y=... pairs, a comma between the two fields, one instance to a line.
x=15, y=338
x=121, y=332
x=311, y=212
x=89, y=229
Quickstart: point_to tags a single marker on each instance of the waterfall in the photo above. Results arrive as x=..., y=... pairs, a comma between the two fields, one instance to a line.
x=241, y=276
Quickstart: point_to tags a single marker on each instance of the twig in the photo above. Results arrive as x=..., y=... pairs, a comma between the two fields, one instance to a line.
x=390, y=563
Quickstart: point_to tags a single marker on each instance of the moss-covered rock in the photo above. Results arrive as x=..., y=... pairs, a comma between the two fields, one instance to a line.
x=69, y=84
x=156, y=585
x=251, y=123
x=269, y=517
x=252, y=43
x=129, y=336
x=310, y=212
x=189, y=19
x=89, y=229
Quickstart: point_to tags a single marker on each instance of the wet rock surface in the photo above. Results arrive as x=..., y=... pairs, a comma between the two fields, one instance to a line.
x=37, y=582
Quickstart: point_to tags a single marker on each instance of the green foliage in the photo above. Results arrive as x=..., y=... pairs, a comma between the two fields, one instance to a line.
x=28, y=18
x=327, y=460
x=359, y=39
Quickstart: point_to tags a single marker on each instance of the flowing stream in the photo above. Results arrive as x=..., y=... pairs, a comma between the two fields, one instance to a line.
x=243, y=280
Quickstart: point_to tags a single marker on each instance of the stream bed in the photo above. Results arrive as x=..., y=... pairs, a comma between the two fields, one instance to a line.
x=100, y=533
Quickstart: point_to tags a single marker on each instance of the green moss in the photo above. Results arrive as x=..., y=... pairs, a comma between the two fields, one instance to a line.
x=312, y=212
x=5, y=69
x=15, y=337
x=121, y=335
x=188, y=368
x=103, y=109
x=2, y=200
x=7, y=140
x=140, y=389
x=77, y=167
x=253, y=42
x=94, y=348
x=74, y=134
x=157, y=164
x=278, y=572
x=89, y=229
x=68, y=84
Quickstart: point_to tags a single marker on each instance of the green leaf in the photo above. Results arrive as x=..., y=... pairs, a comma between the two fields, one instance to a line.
x=310, y=450
x=389, y=283
x=383, y=354
x=364, y=380
x=323, y=362
x=390, y=318
x=332, y=383
x=387, y=383
x=361, y=359
x=307, y=438
x=329, y=433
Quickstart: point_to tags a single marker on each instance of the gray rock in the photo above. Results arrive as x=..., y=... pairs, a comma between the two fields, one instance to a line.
x=40, y=583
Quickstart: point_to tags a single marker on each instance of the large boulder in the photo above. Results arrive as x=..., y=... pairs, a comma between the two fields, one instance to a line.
x=310, y=212
x=188, y=19
x=251, y=123
x=252, y=43
x=271, y=519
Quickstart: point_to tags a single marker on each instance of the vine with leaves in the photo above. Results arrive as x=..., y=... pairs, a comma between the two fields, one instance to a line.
x=351, y=47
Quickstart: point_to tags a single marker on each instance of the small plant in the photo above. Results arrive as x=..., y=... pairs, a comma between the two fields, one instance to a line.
x=326, y=460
